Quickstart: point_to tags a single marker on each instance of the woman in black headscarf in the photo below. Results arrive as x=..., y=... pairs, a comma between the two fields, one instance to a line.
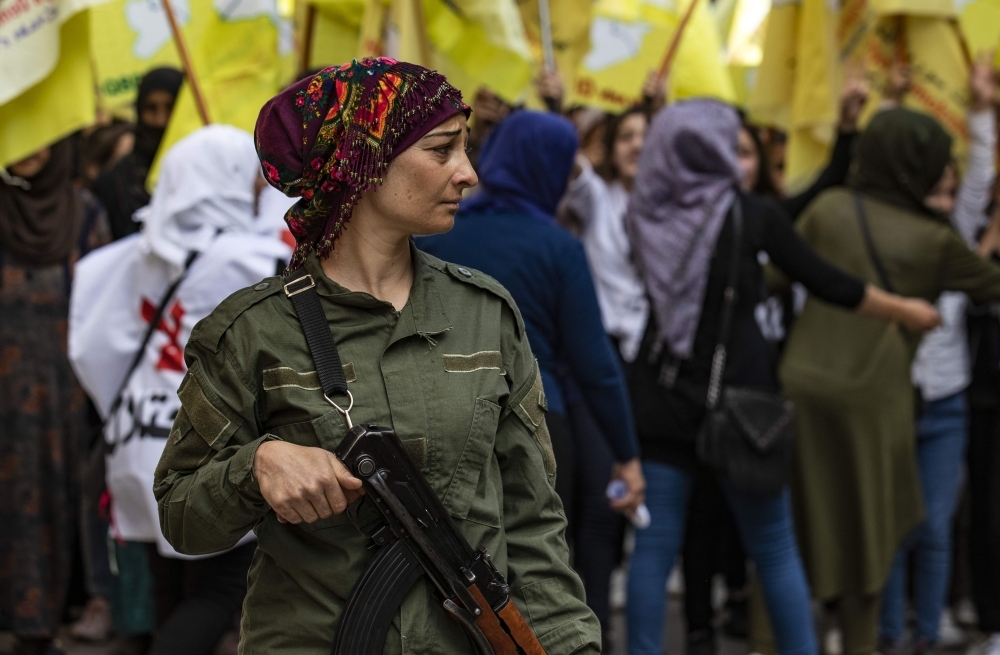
x=856, y=487
x=122, y=189
x=46, y=225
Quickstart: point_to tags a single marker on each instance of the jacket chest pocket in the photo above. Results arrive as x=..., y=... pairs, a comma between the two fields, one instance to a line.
x=472, y=492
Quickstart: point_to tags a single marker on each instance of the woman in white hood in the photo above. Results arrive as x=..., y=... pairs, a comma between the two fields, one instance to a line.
x=133, y=307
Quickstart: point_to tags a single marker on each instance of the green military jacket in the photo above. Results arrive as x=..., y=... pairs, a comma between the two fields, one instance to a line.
x=453, y=374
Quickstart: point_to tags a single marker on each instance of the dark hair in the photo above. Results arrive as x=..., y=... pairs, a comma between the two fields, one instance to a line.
x=614, y=123
x=764, y=186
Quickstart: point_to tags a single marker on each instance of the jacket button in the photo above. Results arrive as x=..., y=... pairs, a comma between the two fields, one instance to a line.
x=261, y=286
x=466, y=272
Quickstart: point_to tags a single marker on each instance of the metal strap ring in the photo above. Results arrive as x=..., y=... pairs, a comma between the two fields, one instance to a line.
x=344, y=412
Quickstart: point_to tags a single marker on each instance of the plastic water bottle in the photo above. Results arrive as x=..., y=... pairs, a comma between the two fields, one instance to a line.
x=617, y=489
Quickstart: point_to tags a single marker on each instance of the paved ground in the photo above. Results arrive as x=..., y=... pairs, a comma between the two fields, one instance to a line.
x=674, y=634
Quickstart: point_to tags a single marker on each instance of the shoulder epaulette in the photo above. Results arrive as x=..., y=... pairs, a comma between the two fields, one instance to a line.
x=485, y=282
x=210, y=329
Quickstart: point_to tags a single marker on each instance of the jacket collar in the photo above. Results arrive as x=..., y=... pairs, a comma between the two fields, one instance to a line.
x=423, y=313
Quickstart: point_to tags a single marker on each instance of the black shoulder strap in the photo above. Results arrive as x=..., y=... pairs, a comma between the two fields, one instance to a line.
x=729, y=298
x=866, y=232
x=301, y=290
x=150, y=330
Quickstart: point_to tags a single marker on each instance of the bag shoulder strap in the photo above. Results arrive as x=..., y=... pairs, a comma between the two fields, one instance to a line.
x=150, y=330
x=729, y=298
x=866, y=233
x=300, y=287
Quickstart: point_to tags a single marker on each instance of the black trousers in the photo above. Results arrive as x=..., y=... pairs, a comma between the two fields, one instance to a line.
x=984, y=527
x=598, y=532
x=197, y=601
x=711, y=544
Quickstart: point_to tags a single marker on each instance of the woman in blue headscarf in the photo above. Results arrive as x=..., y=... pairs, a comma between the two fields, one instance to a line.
x=508, y=231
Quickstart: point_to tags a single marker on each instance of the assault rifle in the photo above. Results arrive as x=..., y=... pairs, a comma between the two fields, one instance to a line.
x=418, y=537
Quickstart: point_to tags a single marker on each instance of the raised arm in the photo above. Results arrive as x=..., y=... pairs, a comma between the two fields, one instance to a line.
x=977, y=184
x=543, y=584
x=800, y=262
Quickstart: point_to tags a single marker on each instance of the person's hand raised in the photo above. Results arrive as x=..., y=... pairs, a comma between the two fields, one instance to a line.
x=303, y=484
x=853, y=97
x=982, y=81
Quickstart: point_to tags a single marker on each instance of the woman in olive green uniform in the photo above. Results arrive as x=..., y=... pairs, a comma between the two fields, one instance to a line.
x=856, y=489
x=433, y=350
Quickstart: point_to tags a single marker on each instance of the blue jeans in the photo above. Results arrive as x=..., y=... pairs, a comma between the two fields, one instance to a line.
x=942, y=433
x=765, y=523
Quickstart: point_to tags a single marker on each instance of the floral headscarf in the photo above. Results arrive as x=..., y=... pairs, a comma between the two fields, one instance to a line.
x=329, y=138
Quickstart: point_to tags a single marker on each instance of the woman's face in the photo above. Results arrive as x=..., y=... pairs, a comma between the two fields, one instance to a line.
x=942, y=196
x=746, y=151
x=628, y=146
x=156, y=108
x=31, y=165
x=423, y=186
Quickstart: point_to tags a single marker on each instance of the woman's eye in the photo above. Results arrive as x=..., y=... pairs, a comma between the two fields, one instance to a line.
x=444, y=150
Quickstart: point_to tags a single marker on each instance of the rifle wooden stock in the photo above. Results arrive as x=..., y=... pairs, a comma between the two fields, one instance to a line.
x=520, y=630
x=418, y=538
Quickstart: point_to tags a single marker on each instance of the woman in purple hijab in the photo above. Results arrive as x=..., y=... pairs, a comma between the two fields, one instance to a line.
x=680, y=223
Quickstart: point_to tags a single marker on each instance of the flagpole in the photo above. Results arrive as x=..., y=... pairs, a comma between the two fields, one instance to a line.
x=902, y=48
x=175, y=29
x=422, y=39
x=668, y=58
x=309, y=25
x=545, y=24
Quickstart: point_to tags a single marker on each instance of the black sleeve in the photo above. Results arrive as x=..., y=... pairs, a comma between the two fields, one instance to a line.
x=800, y=262
x=835, y=174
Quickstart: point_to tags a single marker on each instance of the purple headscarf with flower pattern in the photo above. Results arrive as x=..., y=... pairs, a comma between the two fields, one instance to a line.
x=329, y=138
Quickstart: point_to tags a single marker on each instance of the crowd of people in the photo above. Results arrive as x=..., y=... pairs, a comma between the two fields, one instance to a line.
x=801, y=391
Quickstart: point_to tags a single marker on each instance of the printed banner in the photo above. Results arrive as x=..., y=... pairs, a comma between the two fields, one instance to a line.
x=60, y=104
x=29, y=41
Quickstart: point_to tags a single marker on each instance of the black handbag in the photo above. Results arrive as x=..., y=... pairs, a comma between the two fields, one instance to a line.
x=747, y=435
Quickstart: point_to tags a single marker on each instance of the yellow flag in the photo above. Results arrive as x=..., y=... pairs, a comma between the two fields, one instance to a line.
x=336, y=31
x=630, y=39
x=770, y=100
x=30, y=40
x=474, y=43
x=60, y=104
x=980, y=21
x=939, y=64
x=571, y=29
x=743, y=30
x=241, y=58
x=128, y=39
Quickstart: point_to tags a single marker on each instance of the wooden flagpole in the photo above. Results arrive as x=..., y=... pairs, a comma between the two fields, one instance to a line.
x=423, y=39
x=308, y=27
x=192, y=79
x=668, y=58
x=545, y=25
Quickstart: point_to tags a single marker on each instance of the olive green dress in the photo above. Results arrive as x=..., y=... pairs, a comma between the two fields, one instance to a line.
x=453, y=374
x=856, y=488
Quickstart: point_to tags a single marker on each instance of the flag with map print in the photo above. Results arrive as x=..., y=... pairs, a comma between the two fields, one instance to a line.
x=131, y=37
x=629, y=39
x=237, y=54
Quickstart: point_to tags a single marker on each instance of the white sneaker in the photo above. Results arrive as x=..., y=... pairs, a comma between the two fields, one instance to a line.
x=950, y=635
x=965, y=613
x=988, y=646
x=992, y=645
x=833, y=642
